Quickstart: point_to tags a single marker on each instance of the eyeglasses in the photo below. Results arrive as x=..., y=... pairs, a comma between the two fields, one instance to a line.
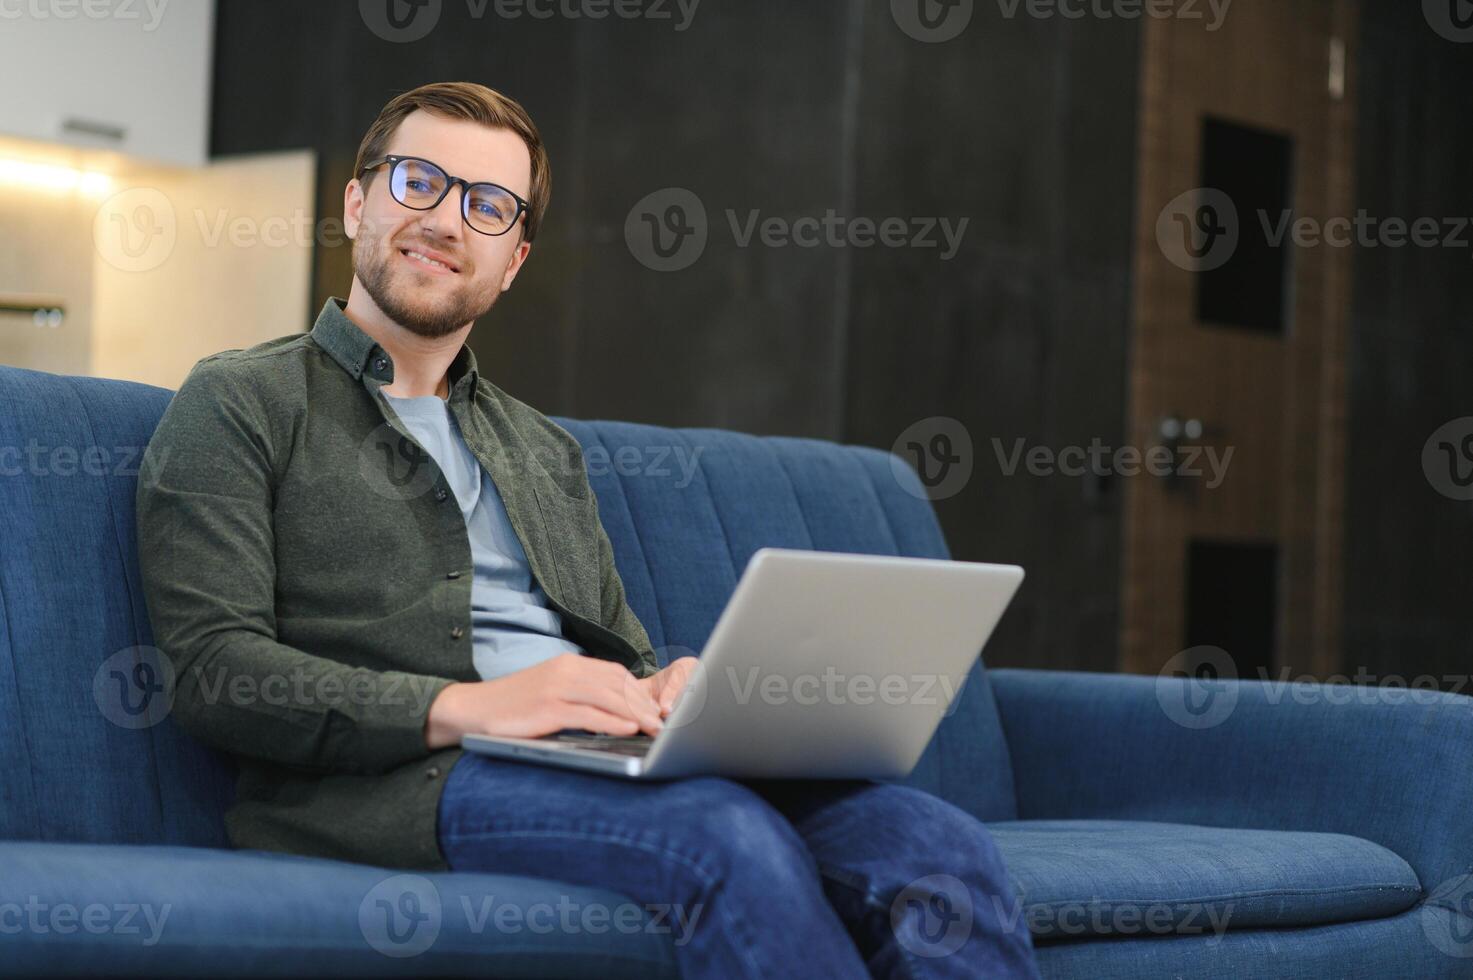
x=421, y=185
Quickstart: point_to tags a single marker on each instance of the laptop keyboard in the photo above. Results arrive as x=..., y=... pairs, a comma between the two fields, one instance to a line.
x=635, y=745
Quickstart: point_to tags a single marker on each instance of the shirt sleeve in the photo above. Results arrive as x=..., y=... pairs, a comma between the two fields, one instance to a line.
x=206, y=553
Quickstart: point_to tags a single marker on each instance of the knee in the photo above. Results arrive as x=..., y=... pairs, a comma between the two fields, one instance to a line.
x=928, y=829
x=746, y=836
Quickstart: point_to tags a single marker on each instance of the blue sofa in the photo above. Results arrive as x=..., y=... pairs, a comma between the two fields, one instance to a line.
x=1297, y=835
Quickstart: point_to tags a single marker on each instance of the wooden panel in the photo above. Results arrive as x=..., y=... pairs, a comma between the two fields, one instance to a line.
x=240, y=223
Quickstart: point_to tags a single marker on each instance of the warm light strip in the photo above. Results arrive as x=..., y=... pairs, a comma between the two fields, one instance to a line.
x=52, y=177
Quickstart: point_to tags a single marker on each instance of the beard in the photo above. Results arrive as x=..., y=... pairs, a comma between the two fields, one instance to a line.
x=400, y=297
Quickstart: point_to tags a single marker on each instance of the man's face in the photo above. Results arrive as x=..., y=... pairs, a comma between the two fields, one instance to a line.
x=389, y=239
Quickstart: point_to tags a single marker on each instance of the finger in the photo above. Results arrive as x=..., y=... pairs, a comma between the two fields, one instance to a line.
x=637, y=692
x=598, y=720
x=673, y=687
x=642, y=693
x=623, y=699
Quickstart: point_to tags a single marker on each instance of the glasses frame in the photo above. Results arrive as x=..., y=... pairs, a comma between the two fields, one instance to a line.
x=393, y=160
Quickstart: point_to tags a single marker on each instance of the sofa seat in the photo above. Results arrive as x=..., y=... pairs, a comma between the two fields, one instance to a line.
x=158, y=910
x=1083, y=878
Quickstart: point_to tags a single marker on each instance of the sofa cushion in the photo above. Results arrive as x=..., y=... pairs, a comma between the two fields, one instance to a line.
x=1101, y=877
x=157, y=910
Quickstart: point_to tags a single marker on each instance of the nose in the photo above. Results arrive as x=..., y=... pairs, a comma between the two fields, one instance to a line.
x=444, y=219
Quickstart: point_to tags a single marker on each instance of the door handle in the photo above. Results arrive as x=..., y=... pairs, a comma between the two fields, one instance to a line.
x=1174, y=432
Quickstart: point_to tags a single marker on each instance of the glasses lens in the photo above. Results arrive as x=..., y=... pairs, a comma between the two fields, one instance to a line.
x=417, y=184
x=490, y=209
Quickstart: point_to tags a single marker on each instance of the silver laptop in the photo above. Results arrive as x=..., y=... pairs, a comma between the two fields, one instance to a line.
x=823, y=665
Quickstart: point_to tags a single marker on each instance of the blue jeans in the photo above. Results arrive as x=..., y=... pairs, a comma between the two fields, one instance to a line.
x=756, y=878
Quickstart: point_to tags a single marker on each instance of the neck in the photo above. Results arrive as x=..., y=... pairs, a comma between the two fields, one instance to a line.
x=421, y=364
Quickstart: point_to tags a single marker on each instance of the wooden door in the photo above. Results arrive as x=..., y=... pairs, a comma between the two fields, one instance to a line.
x=1238, y=342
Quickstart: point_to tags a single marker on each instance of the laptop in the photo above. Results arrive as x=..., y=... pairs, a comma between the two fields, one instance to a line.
x=823, y=665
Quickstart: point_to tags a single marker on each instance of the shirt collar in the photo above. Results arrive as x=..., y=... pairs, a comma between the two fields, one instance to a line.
x=360, y=355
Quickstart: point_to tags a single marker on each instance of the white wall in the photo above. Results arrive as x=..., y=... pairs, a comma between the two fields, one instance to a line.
x=162, y=267
x=138, y=67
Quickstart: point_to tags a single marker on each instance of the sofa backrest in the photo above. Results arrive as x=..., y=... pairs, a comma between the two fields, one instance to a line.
x=74, y=767
x=684, y=509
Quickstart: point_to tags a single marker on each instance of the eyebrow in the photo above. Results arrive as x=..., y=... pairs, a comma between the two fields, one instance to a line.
x=498, y=183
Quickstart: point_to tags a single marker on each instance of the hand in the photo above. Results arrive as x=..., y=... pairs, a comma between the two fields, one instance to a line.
x=664, y=686
x=569, y=690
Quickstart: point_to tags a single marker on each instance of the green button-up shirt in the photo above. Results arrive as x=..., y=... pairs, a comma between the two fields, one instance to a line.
x=308, y=576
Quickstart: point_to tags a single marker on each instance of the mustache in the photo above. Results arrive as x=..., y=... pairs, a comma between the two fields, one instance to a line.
x=460, y=260
x=372, y=236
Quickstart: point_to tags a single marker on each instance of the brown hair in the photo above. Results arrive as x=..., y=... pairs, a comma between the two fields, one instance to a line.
x=477, y=103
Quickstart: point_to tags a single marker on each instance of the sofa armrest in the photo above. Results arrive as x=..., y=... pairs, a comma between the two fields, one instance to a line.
x=1390, y=765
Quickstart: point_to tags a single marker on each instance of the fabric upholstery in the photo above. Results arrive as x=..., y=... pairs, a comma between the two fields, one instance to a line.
x=1086, y=878
x=1368, y=762
x=198, y=912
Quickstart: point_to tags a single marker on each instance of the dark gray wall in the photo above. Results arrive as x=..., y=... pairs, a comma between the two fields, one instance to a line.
x=1409, y=606
x=1028, y=129
x=1023, y=127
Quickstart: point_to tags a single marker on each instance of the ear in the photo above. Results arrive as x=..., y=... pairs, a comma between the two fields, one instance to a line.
x=353, y=199
x=514, y=266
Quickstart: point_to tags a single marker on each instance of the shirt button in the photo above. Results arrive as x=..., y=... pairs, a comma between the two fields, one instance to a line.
x=379, y=363
x=456, y=632
x=452, y=575
x=441, y=494
x=432, y=772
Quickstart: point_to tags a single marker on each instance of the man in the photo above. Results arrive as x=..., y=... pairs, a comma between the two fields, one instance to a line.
x=361, y=550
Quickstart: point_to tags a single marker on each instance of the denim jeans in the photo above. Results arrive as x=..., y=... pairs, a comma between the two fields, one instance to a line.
x=756, y=878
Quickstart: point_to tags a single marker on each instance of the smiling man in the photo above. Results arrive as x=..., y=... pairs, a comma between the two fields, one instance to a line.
x=361, y=550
